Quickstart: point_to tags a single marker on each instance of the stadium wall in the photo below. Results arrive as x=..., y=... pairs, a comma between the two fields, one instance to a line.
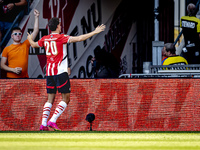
x=118, y=104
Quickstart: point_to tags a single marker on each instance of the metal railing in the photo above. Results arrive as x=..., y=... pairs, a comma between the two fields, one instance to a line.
x=168, y=71
x=164, y=75
x=174, y=68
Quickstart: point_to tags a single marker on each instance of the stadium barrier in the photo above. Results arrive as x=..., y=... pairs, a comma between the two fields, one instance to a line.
x=118, y=104
x=176, y=68
x=167, y=71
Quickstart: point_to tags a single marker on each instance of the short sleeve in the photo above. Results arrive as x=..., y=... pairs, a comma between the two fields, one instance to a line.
x=5, y=53
x=41, y=42
x=65, y=38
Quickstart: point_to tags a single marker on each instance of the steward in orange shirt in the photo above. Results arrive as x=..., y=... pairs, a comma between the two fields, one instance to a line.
x=16, y=55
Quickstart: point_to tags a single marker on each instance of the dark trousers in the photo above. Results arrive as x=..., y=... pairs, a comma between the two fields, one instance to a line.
x=192, y=55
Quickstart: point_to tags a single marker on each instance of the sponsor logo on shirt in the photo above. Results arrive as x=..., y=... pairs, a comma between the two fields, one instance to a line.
x=53, y=39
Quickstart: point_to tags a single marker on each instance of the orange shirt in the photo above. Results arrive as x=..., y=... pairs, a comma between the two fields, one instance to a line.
x=17, y=56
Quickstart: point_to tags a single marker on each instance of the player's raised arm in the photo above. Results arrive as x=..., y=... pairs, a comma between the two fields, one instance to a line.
x=88, y=35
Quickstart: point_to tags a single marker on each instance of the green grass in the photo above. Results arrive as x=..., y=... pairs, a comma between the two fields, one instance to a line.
x=99, y=140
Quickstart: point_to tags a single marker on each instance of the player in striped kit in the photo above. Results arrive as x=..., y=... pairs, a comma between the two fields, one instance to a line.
x=57, y=68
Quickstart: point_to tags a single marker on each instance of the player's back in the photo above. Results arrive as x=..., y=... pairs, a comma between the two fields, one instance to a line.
x=56, y=51
x=55, y=46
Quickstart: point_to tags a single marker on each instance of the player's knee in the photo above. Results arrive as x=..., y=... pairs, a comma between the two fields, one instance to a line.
x=67, y=100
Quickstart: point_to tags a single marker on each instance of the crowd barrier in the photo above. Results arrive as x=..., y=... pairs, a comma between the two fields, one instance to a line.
x=118, y=104
x=166, y=71
x=194, y=68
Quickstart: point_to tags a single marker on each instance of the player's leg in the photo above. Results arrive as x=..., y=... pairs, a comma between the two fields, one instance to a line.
x=66, y=97
x=51, y=90
x=64, y=88
x=61, y=107
x=59, y=110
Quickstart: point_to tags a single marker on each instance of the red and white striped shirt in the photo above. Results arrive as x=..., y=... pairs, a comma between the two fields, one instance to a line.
x=56, y=53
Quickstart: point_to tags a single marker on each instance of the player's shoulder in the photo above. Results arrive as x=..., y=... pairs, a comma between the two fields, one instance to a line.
x=44, y=37
x=64, y=38
x=64, y=35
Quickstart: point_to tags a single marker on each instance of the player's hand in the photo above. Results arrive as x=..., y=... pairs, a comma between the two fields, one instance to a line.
x=36, y=13
x=100, y=28
x=17, y=70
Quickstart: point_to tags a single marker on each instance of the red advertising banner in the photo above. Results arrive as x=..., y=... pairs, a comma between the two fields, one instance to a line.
x=118, y=104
